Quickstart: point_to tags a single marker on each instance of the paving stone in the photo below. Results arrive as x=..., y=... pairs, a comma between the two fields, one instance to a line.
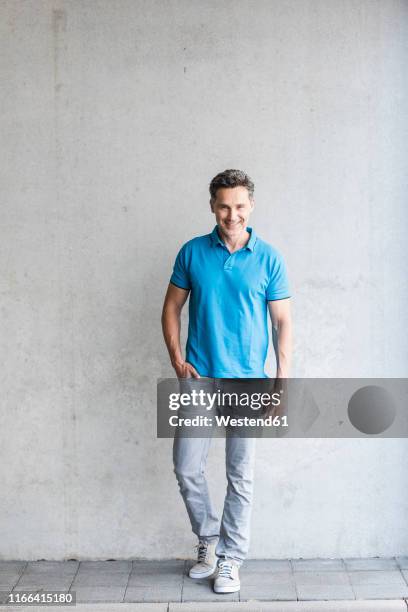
x=374, y=577
x=153, y=573
x=266, y=565
x=318, y=565
x=11, y=566
x=102, y=607
x=113, y=579
x=384, y=563
x=402, y=562
x=159, y=577
x=147, y=567
x=284, y=591
x=154, y=568
x=292, y=606
x=202, y=590
x=109, y=579
x=46, y=584
x=139, y=564
x=44, y=578
x=324, y=591
x=380, y=591
x=108, y=594
x=266, y=578
x=153, y=594
x=4, y=593
x=321, y=579
x=62, y=568
x=107, y=566
x=381, y=605
x=9, y=579
x=100, y=572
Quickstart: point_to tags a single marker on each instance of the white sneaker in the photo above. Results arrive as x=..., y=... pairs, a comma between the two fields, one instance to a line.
x=227, y=578
x=206, y=560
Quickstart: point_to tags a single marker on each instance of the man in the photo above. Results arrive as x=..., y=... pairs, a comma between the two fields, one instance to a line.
x=233, y=277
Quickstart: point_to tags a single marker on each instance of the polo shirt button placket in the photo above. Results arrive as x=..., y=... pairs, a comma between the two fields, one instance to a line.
x=228, y=263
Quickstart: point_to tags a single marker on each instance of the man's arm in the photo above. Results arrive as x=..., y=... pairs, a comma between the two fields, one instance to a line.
x=172, y=307
x=279, y=311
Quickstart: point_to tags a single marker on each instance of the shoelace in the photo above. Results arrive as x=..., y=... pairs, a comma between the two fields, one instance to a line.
x=225, y=569
x=202, y=551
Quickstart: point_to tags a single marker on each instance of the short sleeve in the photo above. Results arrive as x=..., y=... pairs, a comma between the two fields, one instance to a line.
x=278, y=287
x=180, y=276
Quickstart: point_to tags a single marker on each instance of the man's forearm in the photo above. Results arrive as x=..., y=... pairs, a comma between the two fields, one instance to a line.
x=171, y=331
x=283, y=348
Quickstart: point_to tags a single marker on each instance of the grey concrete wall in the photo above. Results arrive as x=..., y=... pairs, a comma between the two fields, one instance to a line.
x=114, y=116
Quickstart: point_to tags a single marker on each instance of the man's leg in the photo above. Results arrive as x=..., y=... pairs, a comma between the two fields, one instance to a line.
x=235, y=523
x=189, y=459
x=190, y=455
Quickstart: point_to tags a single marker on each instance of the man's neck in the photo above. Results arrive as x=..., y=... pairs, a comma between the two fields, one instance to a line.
x=238, y=243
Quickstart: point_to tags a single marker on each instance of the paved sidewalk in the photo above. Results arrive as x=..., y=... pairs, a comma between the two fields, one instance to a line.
x=343, y=584
x=386, y=605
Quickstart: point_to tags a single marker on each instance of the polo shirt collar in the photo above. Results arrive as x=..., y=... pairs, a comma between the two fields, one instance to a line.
x=251, y=242
x=215, y=238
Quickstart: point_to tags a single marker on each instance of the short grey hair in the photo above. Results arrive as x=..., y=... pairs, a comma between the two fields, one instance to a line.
x=230, y=179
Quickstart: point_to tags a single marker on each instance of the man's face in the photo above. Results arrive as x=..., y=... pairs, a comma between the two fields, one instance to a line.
x=232, y=208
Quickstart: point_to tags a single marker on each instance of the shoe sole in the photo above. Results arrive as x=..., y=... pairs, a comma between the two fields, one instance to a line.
x=230, y=589
x=206, y=574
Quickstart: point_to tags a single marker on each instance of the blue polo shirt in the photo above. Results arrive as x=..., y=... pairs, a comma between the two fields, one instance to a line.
x=228, y=312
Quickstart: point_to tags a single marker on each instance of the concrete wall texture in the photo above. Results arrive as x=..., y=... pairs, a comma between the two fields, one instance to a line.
x=115, y=115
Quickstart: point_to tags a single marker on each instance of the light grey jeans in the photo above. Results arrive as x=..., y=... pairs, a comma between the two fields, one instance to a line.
x=189, y=459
